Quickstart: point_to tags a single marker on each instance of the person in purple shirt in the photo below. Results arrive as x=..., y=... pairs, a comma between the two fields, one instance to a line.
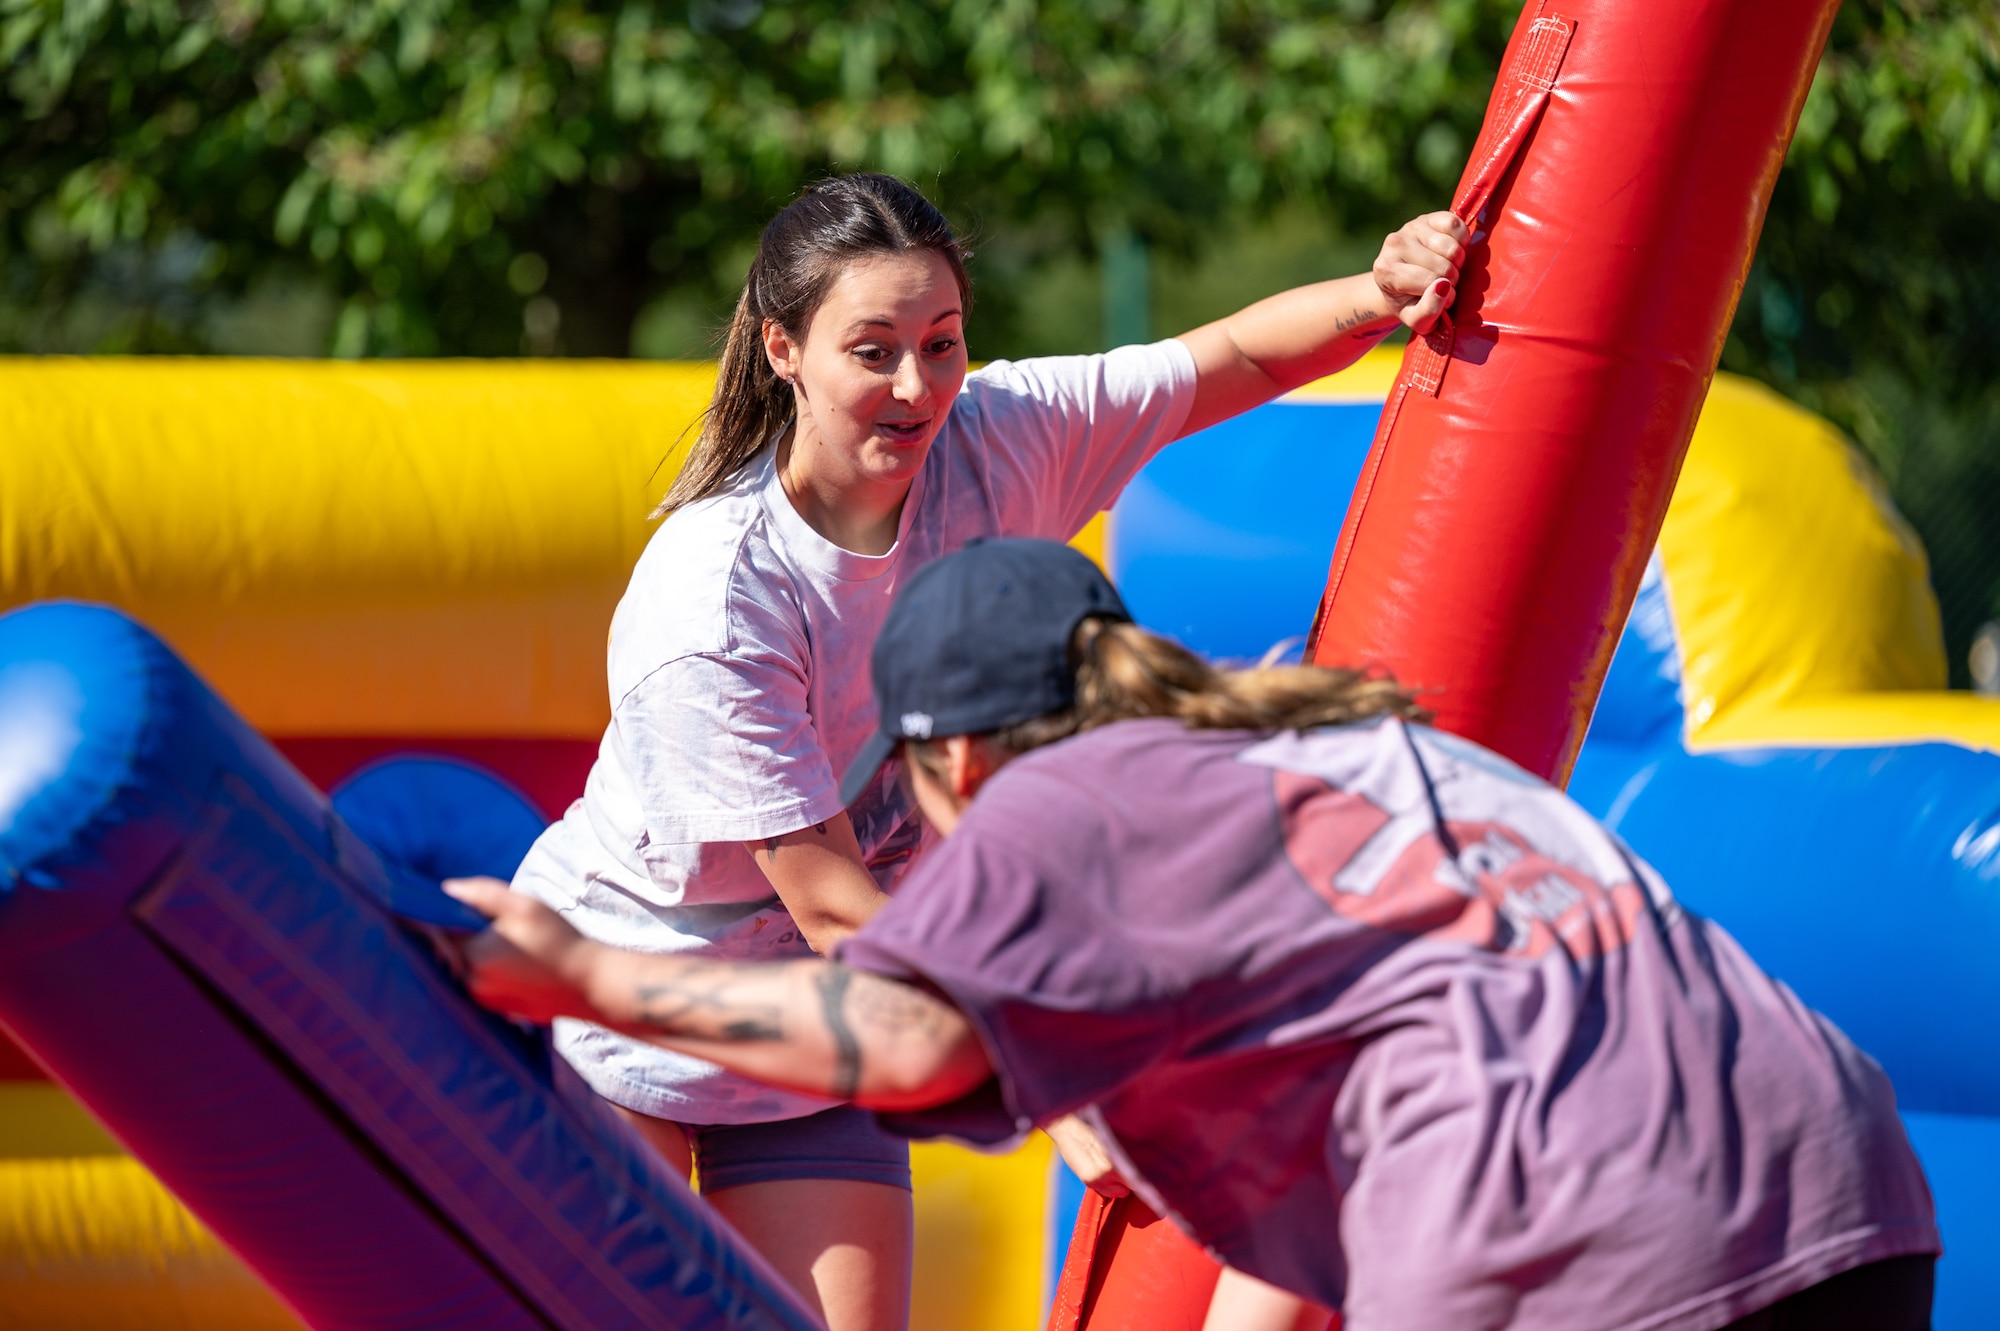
x=1382, y=1021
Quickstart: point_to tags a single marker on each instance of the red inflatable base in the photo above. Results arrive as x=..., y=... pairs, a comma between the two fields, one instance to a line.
x=1129, y=1270
x=1127, y=1267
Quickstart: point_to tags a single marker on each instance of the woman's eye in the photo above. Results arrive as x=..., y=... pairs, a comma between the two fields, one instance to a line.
x=872, y=355
x=944, y=346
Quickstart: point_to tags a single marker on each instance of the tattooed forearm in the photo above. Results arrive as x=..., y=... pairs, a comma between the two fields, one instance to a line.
x=879, y=1040
x=832, y=983
x=699, y=1003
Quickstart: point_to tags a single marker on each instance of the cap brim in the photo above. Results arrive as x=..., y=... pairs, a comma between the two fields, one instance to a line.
x=879, y=749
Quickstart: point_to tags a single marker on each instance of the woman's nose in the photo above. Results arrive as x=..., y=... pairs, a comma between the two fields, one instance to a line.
x=910, y=383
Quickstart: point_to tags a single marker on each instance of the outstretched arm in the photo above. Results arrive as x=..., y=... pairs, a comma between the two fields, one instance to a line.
x=1298, y=336
x=805, y=1025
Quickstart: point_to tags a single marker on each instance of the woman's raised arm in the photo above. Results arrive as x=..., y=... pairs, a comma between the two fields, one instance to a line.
x=1297, y=336
x=813, y=1026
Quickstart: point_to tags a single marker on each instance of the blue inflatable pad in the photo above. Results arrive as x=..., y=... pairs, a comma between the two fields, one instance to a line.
x=1845, y=873
x=432, y=818
x=200, y=951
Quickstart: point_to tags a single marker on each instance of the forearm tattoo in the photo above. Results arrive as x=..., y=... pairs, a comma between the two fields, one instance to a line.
x=746, y=1002
x=699, y=1003
x=832, y=983
x=897, y=1010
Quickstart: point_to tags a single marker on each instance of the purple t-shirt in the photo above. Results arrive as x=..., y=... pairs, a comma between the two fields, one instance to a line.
x=1380, y=1018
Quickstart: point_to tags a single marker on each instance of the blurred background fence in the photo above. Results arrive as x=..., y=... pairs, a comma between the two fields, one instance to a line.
x=462, y=177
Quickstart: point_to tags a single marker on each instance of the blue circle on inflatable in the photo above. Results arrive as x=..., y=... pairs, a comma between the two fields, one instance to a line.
x=430, y=818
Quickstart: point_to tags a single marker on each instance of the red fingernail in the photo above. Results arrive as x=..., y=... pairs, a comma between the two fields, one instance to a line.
x=1443, y=287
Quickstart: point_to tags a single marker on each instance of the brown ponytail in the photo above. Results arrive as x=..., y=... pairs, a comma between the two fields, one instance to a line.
x=801, y=252
x=1124, y=673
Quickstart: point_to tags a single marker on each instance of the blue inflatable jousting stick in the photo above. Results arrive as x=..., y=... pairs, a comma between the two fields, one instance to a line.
x=202, y=953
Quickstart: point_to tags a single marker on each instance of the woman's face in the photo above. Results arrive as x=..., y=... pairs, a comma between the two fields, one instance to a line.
x=935, y=800
x=878, y=369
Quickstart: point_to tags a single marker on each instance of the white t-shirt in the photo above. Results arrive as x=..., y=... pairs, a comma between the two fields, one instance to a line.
x=740, y=689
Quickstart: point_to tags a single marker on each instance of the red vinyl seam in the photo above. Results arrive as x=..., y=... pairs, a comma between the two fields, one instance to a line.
x=1073, y=1290
x=1532, y=73
x=1344, y=550
x=1432, y=352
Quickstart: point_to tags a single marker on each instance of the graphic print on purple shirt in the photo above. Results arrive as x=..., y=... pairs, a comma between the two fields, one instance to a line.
x=1500, y=893
x=1384, y=1020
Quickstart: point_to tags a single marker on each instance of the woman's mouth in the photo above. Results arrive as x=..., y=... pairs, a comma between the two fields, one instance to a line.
x=903, y=432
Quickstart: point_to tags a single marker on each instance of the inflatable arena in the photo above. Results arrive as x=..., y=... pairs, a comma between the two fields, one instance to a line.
x=285, y=644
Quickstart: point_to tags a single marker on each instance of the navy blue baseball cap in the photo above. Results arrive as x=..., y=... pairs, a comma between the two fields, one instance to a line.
x=979, y=640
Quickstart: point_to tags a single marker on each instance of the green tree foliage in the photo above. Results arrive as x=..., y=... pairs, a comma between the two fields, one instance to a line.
x=443, y=163
x=1875, y=297
x=490, y=177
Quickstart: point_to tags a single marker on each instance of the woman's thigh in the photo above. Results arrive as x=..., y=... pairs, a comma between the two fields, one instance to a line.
x=845, y=1246
x=663, y=1136
x=825, y=1199
x=1892, y=1295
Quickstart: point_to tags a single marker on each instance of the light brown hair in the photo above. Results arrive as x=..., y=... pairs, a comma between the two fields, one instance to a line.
x=1124, y=673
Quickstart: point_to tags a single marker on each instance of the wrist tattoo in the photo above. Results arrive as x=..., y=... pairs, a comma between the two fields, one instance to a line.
x=832, y=984
x=1354, y=319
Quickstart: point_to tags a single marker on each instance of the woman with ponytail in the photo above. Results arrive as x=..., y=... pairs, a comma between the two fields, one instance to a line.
x=846, y=447
x=1390, y=1026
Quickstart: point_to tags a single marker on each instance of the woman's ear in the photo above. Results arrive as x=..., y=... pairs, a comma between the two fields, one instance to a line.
x=971, y=761
x=781, y=351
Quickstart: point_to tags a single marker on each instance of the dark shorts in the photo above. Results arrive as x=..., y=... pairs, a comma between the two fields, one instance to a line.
x=839, y=1143
x=1892, y=1295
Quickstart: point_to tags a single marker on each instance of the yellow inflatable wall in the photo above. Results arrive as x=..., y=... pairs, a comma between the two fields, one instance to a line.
x=1801, y=597
x=424, y=550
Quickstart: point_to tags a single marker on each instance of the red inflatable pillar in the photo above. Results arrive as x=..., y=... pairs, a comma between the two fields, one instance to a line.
x=1528, y=449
